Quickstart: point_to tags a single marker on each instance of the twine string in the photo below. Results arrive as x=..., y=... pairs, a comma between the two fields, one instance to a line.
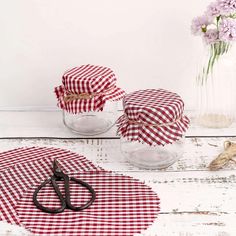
x=225, y=157
x=77, y=96
x=153, y=125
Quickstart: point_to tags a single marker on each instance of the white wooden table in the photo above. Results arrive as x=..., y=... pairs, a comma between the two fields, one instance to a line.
x=194, y=201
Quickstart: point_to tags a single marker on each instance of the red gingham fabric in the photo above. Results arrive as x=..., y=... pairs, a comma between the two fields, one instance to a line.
x=88, y=79
x=16, y=164
x=144, y=109
x=124, y=206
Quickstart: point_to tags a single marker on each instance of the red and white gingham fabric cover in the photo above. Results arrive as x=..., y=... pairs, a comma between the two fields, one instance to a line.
x=145, y=109
x=124, y=206
x=88, y=79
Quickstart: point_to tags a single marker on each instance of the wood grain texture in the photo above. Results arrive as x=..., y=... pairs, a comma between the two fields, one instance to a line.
x=106, y=152
x=192, y=224
x=194, y=201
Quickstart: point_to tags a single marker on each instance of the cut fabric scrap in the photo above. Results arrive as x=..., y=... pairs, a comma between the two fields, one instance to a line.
x=124, y=206
x=32, y=165
x=18, y=156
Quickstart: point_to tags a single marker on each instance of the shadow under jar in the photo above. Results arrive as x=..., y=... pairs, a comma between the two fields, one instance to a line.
x=88, y=97
x=152, y=128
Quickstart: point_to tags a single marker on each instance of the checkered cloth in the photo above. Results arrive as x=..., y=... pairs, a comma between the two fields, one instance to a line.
x=124, y=206
x=152, y=116
x=98, y=81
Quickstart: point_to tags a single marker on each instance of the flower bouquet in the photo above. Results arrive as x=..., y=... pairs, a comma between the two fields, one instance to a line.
x=218, y=29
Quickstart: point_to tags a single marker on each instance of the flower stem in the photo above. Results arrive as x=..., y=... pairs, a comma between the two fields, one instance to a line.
x=216, y=51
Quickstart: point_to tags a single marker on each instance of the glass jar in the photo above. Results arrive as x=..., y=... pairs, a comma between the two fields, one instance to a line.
x=92, y=122
x=89, y=99
x=152, y=157
x=152, y=128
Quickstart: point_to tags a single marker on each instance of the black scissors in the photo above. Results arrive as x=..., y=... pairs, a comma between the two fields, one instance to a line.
x=65, y=201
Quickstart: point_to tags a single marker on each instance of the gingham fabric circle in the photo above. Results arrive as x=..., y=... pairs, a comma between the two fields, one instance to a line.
x=144, y=110
x=21, y=168
x=88, y=79
x=124, y=206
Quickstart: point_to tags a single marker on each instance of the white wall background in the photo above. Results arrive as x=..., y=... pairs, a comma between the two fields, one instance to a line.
x=146, y=42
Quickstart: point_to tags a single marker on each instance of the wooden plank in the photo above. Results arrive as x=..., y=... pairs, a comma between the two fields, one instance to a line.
x=184, y=189
x=37, y=124
x=49, y=124
x=186, y=224
x=200, y=192
x=193, y=202
x=199, y=152
x=12, y=230
x=193, y=224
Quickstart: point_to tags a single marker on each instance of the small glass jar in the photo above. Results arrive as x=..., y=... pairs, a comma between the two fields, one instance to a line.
x=89, y=98
x=93, y=122
x=152, y=157
x=152, y=128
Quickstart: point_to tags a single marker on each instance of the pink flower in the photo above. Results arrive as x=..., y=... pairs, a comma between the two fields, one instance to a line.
x=227, y=30
x=199, y=24
x=213, y=10
x=227, y=7
x=211, y=36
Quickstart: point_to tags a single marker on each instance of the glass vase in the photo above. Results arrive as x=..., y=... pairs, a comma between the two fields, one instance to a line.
x=216, y=86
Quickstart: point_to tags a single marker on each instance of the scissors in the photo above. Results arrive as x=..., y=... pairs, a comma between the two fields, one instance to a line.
x=58, y=175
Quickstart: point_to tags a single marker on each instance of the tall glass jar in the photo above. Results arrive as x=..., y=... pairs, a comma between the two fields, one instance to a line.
x=216, y=85
x=88, y=97
x=152, y=128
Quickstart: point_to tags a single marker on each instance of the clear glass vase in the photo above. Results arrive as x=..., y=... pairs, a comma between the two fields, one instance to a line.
x=216, y=87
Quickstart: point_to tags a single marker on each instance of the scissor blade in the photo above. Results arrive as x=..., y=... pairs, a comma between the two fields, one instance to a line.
x=56, y=167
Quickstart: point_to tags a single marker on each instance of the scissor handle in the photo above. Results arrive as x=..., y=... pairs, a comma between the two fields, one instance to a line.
x=84, y=184
x=65, y=202
x=57, y=190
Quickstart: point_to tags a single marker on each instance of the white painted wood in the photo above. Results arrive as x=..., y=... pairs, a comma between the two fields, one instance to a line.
x=193, y=224
x=186, y=224
x=12, y=230
x=185, y=189
x=37, y=124
x=194, y=201
x=199, y=152
x=49, y=124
